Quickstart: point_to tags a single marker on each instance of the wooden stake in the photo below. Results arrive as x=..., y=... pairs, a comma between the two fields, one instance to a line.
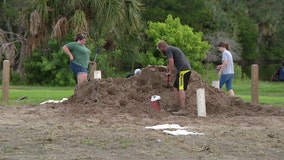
x=254, y=83
x=93, y=68
x=6, y=80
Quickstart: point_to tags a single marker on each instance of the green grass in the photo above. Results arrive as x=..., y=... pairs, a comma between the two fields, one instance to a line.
x=269, y=93
x=36, y=94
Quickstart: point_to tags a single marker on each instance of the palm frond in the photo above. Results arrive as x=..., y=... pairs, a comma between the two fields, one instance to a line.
x=60, y=29
x=79, y=22
x=34, y=23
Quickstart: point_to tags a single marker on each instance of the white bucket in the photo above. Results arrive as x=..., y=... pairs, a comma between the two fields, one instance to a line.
x=216, y=84
x=155, y=98
x=155, y=102
x=97, y=74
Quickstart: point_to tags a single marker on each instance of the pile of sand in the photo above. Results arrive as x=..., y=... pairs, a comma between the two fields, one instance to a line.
x=132, y=96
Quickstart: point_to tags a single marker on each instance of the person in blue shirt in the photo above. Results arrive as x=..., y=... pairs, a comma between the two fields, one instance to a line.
x=278, y=75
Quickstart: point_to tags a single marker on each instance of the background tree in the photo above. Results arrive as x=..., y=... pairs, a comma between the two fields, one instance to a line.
x=109, y=20
x=98, y=19
x=194, y=13
x=181, y=36
x=256, y=28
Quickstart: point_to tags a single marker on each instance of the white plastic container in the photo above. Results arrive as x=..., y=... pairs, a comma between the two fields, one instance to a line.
x=216, y=84
x=97, y=74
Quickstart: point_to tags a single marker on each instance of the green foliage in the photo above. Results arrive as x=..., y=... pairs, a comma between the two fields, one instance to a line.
x=247, y=37
x=49, y=67
x=129, y=56
x=118, y=64
x=106, y=64
x=126, y=61
x=182, y=36
x=9, y=14
x=151, y=58
x=209, y=73
x=16, y=79
x=194, y=13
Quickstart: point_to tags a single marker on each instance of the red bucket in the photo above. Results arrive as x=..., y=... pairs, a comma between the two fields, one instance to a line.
x=155, y=102
x=155, y=105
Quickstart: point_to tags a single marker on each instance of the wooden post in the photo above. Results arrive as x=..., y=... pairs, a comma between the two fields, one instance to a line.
x=254, y=83
x=6, y=80
x=94, y=74
x=92, y=70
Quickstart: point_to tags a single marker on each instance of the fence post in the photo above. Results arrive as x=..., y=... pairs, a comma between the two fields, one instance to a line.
x=254, y=83
x=6, y=80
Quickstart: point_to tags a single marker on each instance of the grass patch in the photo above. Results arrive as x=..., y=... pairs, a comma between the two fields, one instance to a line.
x=269, y=92
x=36, y=94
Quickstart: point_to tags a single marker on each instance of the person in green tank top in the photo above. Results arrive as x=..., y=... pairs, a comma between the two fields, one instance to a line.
x=79, y=56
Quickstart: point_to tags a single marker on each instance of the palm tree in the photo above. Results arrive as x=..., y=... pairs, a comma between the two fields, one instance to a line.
x=100, y=19
x=92, y=17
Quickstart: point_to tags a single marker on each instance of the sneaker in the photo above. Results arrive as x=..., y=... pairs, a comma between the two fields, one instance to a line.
x=173, y=108
x=181, y=112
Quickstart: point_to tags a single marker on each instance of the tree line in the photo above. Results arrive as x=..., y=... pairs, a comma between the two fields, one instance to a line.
x=32, y=33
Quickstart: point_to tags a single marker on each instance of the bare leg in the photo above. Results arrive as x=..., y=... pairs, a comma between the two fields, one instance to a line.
x=177, y=96
x=183, y=111
x=82, y=77
x=182, y=98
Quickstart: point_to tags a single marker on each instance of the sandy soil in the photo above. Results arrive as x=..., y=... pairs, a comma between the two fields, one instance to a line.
x=106, y=119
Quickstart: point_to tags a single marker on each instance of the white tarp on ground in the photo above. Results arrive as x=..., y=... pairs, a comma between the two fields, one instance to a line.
x=182, y=132
x=54, y=101
x=166, y=126
x=173, y=129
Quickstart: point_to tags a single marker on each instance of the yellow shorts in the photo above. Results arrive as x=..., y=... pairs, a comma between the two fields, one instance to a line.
x=182, y=80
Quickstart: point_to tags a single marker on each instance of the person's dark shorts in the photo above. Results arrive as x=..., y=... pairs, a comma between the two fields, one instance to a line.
x=182, y=80
x=77, y=69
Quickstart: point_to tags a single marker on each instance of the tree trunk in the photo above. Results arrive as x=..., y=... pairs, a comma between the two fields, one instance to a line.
x=23, y=54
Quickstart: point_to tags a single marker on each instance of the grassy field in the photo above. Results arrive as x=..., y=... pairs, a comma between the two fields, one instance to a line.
x=269, y=93
x=36, y=94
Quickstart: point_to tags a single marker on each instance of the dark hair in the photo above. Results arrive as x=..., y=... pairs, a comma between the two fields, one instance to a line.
x=224, y=44
x=80, y=37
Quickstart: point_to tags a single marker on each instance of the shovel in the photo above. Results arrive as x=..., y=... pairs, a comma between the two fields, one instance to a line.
x=94, y=65
x=168, y=82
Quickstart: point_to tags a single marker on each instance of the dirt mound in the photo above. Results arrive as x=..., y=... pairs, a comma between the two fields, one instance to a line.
x=132, y=96
x=106, y=119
